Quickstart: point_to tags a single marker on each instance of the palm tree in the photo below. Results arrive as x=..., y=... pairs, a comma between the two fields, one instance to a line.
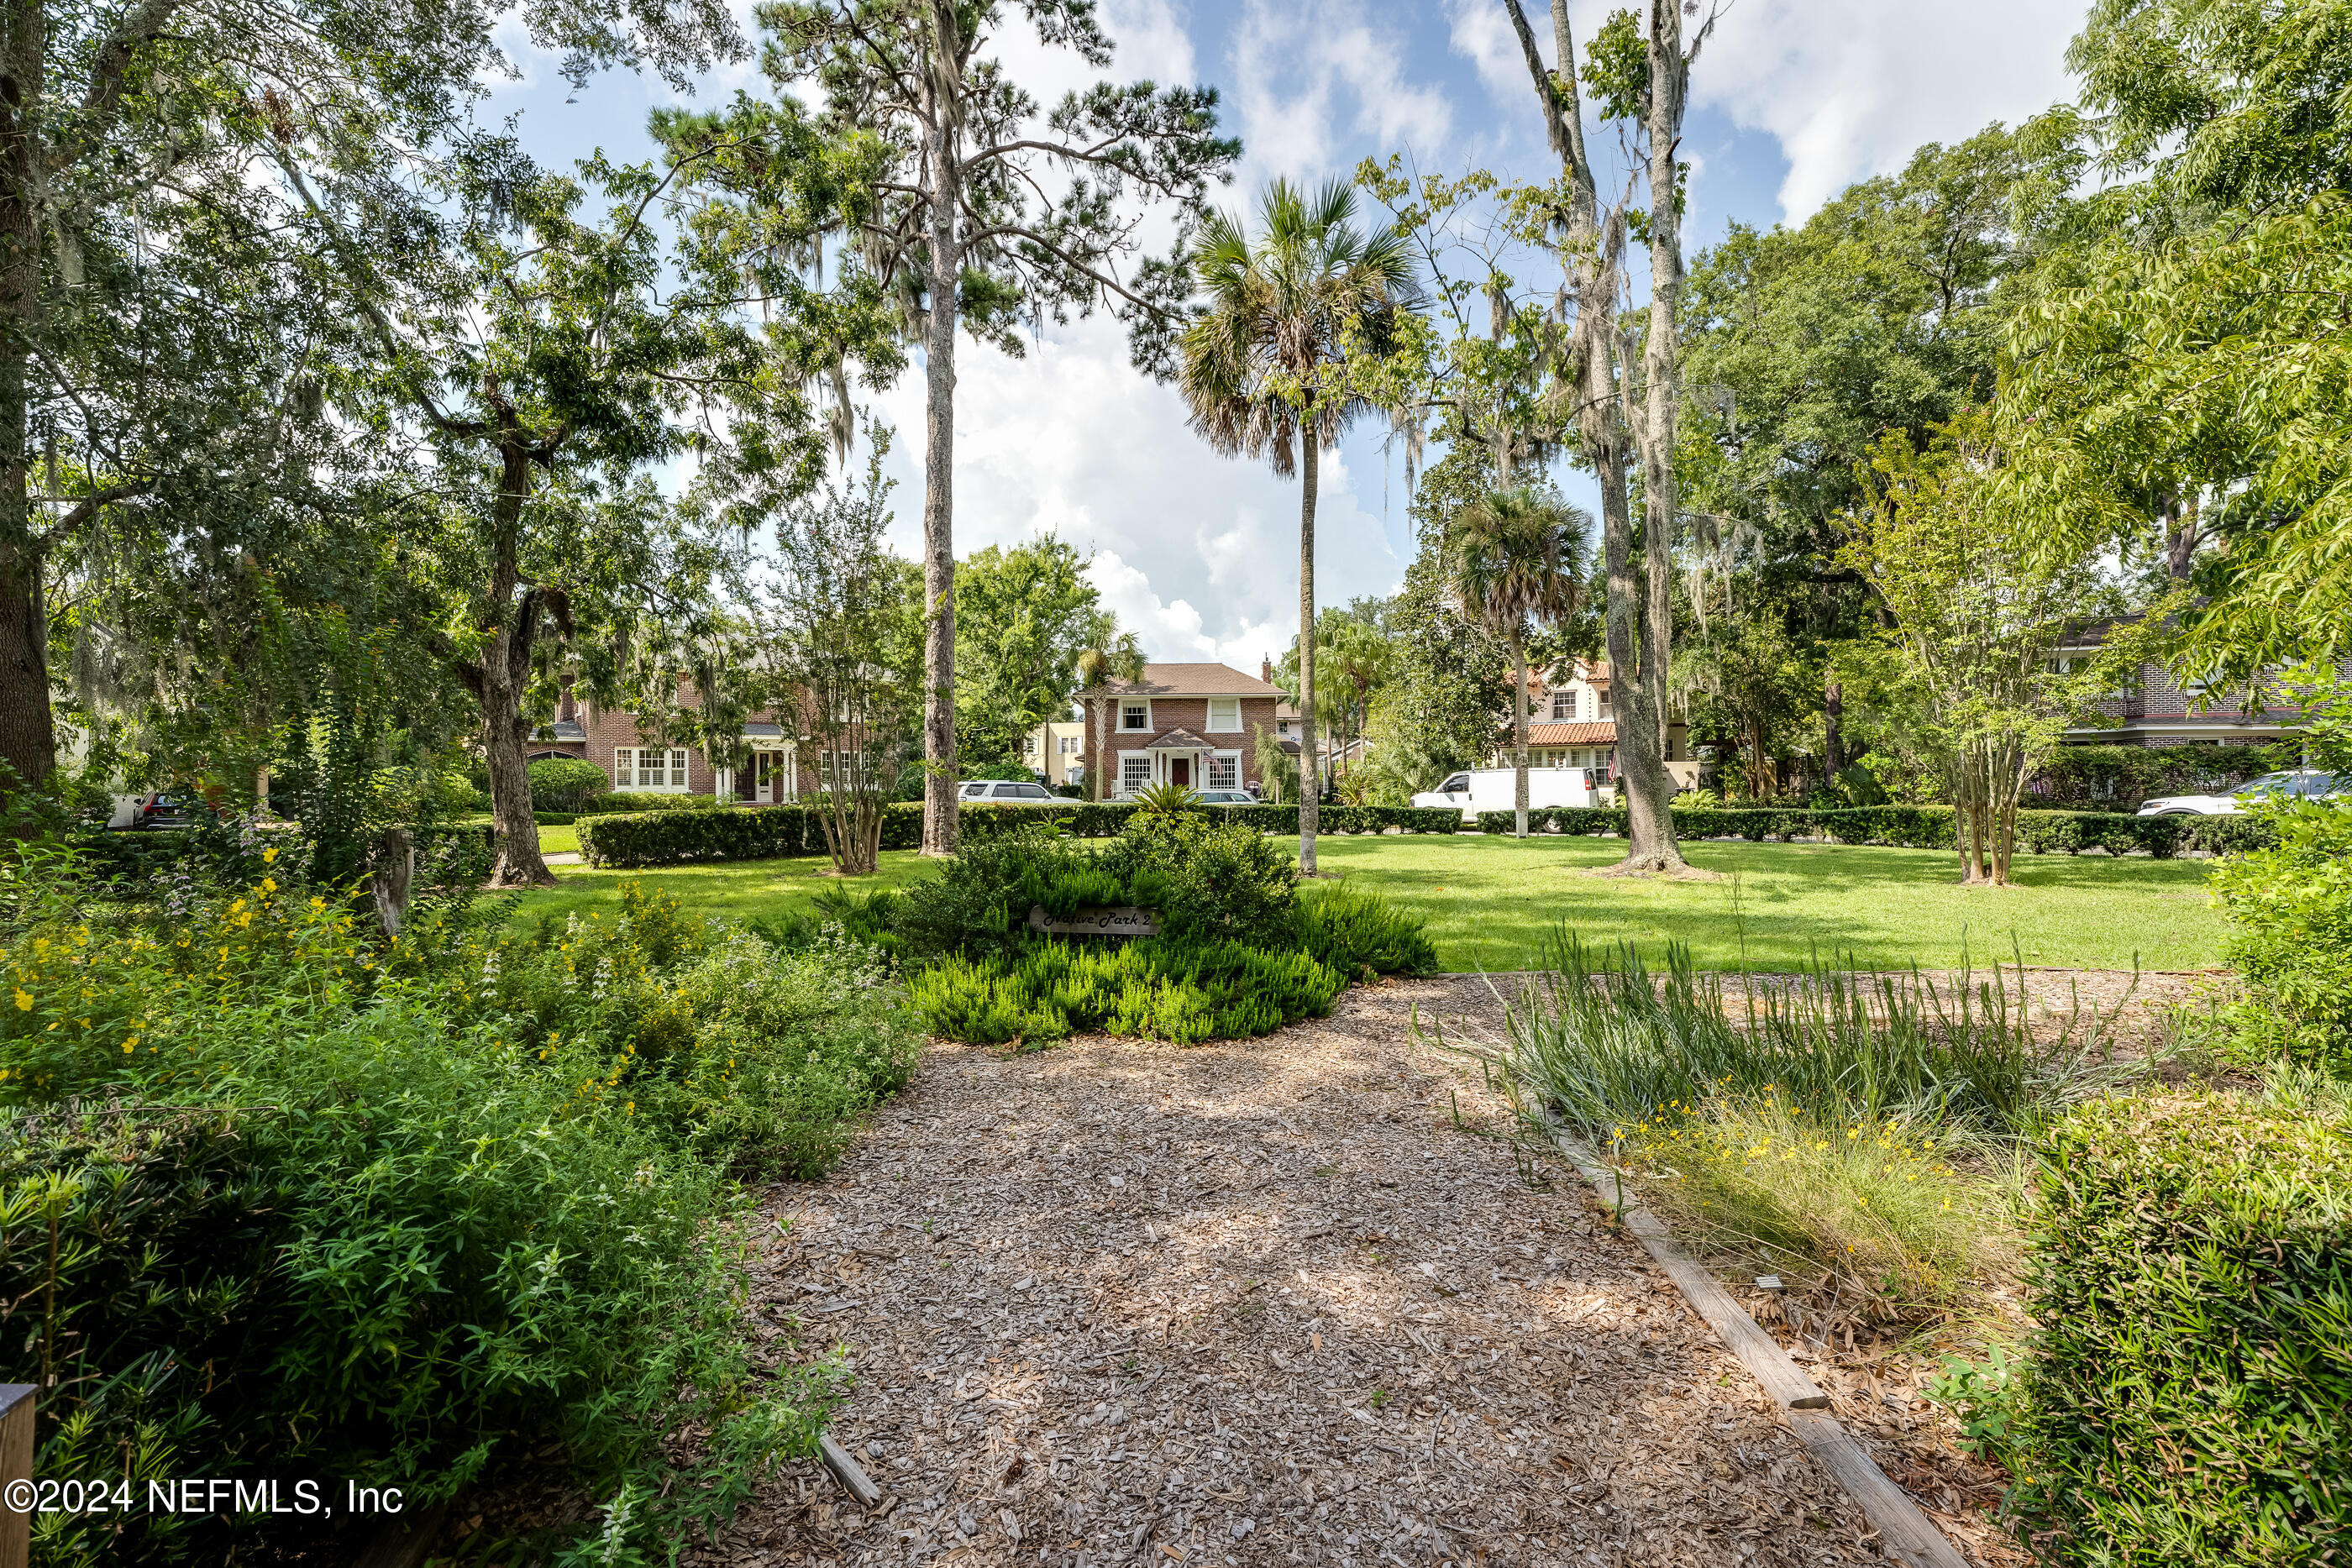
x=1097, y=667
x=1516, y=560
x=1264, y=369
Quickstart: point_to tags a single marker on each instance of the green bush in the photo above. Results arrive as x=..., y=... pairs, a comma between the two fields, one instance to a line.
x=669, y=836
x=2118, y=778
x=2290, y=911
x=1359, y=932
x=411, y=1212
x=1161, y=988
x=1211, y=878
x=2191, y=1398
x=564, y=784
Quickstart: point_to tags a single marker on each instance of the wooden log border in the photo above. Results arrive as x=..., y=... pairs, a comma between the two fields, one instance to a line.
x=1908, y=1533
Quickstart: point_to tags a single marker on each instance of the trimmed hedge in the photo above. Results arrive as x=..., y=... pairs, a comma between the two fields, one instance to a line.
x=2190, y=1402
x=1916, y=828
x=769, y=833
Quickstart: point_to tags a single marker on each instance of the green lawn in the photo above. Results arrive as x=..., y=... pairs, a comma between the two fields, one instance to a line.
x=1490, y=901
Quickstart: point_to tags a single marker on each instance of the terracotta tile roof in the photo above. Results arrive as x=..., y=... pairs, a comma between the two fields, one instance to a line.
x=1603, y=733
x=1192, y=681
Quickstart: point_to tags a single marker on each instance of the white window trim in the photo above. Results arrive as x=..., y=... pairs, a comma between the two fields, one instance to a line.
x=1125, y=786
x=1233, y=729
x=624, y=778
x=1126, y=728
x=1209, y=762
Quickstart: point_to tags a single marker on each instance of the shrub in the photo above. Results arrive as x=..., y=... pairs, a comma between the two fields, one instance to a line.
x=559, y=784
x=2191, y=1399
x=1359, y=933
x=979, y=904
x=408, y=1210
x=2290, y=911
x=1915, y=827
x=1164, y=987
x=1211, y=879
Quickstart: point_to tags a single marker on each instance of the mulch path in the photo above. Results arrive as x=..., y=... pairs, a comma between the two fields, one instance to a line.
x=1285, y=1300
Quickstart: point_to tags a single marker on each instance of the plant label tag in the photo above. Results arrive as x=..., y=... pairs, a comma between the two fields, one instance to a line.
x=1116, y=921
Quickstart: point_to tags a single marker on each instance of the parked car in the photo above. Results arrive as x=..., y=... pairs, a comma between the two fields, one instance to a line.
x=1223, y=798
x=161, y=811
x=1008, y=792
x=2307, y=782
x=1478, y=790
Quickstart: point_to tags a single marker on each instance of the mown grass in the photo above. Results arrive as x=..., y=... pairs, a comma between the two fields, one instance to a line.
x=1489, y=904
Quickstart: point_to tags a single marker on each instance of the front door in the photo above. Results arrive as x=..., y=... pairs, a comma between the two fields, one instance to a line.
x=770, y=787
x=1180, y=770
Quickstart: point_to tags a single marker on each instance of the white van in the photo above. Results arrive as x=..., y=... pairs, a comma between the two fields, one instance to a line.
x=1480, y=789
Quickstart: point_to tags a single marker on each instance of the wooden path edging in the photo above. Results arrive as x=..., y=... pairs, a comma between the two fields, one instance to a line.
x=1908, y=1533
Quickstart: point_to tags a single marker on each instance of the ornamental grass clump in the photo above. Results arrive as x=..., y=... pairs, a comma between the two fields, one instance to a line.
x=1871, y=1215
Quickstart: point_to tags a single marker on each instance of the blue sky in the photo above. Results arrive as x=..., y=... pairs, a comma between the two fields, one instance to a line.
x=1793, y=100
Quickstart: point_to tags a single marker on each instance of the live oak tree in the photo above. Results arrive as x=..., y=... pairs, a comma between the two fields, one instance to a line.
x=136, y=156
x=995, y=214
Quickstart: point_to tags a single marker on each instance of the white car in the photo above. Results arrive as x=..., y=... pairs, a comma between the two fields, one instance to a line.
x=1480, y=789
x=2309, y=783
x=1008, y=792
x=1223, y=798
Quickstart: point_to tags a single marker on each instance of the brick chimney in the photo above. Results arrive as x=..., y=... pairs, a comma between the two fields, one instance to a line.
x=1266, y=669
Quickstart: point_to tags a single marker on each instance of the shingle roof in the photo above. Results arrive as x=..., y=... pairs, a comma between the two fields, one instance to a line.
x=1192, y=681
x=1178, y=740
x=757, y=731
x=564, y=729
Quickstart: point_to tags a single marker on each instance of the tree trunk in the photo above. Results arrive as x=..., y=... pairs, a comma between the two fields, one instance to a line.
x=506, y=667
x=1308, y=793
x=1519, y=731
x=1649, y=790
x=1833, y=730
x=946, y=263
x=27, y=735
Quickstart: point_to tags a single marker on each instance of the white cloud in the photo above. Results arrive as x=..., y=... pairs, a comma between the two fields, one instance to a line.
x=1850, y=87
x=1315, y=82
x=1196, y=553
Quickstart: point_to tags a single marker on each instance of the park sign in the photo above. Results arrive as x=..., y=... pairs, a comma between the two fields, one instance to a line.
x=1116, y=921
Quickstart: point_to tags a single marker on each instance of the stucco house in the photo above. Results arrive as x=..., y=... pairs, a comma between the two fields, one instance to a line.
x=1571, y=724
x=1056, y=752
x=1195, y=724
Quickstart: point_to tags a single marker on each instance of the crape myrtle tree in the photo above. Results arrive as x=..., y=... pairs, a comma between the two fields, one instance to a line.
x=134, y=162
x=995, y=215
x=1623, y=392
x=538, y=363
x=1268, y=369
x=836, y=643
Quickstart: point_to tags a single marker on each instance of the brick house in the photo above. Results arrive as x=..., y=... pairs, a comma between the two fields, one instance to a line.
x=1195, y=724
x=609, y=739
x=2153, y=708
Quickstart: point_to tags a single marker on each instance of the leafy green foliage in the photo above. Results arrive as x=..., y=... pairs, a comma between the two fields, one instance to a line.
x=562, y=785
x=1163, y=988
x=1211, y=877
x=1023, y=615
x=2190, y=1402
x=1360, y=934
x=1918, y=828
x=2290, y=910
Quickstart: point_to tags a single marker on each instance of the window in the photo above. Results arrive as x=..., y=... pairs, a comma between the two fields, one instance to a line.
x=1225, y=769
x=648, y=767
x=1456, y=785
x=1134, y=772
x=1282, y=728
x=1027, y=792
x=1072, y=744
x=1604, y=709
x=1224, y=714
x=1029, y=745
x=1135, y=716
x=974, y=791
x=1563, y=707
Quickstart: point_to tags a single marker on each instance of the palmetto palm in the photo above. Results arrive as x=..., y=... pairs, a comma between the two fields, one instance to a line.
x=1097, y=667
x=1516, y=560
x=1264, y=369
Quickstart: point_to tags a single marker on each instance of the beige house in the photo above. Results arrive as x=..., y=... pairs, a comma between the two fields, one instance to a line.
x=1056, y=752
x=1571, y=724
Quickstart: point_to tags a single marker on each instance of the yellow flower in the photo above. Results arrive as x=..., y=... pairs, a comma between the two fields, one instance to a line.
x=24, y=1000
x=269, y=884
x=270, y=854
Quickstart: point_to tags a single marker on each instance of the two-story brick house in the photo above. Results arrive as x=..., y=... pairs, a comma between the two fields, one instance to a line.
x=1195, y=724
x=2153, y=707
x=610, y=738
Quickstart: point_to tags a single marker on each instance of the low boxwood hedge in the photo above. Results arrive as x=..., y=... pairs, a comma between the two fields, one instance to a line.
x=2189, y=1401
x=1915, y=827
x=768, y=832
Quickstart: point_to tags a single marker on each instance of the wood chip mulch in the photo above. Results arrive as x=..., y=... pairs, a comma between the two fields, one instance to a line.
x=1285, y=1301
